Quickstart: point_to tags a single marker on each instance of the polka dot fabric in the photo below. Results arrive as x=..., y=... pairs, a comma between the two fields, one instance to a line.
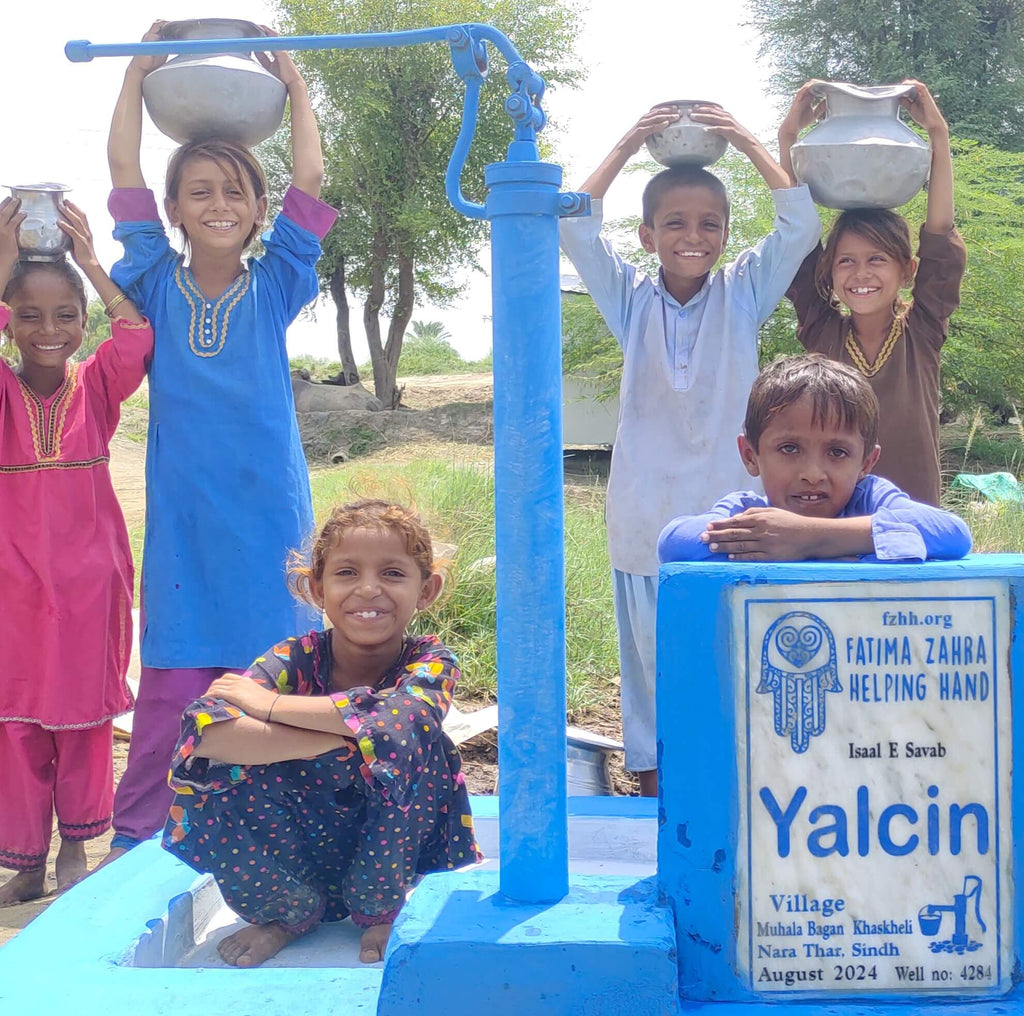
x=343, y=834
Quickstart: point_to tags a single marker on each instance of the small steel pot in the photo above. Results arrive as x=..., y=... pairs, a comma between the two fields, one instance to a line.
x=39, y=236
x=687, y=142
x=221, y=95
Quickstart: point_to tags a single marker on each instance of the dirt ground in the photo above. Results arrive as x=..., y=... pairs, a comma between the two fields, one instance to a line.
x=480, y=755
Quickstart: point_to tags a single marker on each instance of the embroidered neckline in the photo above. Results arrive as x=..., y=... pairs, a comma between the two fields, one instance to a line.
x=47, y=427
x=856, y=354
x=218, y=313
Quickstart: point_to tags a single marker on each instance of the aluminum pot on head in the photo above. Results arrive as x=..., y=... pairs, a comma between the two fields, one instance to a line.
x=221, y=95
x=39, y=236
x=686, y=142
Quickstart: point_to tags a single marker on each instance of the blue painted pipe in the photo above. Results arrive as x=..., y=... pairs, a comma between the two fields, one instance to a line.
x=522, y=204
x=81, y=50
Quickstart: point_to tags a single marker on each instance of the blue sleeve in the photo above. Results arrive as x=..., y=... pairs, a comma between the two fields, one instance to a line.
x=903, y=529
x=148, y=261
x=680, y=539
x=289, y=265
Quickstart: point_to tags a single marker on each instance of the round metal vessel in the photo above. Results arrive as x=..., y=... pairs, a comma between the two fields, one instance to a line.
x=862, y=155
x=39, y=236
x=687, y=142
x=225, y=95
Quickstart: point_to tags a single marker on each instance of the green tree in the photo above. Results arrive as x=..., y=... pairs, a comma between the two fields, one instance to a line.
x=389, y=119
x=970, y=53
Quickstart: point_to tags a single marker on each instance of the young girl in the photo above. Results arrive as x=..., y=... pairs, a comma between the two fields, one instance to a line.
x=319, y=783
x=66, y=624
x=867, y=259
x=227, y=489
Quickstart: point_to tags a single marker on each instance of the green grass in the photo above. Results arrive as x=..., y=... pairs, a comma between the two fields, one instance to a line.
x=456, y=501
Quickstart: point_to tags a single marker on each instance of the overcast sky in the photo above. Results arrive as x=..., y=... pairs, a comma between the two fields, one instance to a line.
x=56, y=113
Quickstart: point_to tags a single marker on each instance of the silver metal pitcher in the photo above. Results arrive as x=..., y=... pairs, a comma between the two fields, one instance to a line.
x=223, y=95
x=39, y=236
x=686, y=142
x=862, y=155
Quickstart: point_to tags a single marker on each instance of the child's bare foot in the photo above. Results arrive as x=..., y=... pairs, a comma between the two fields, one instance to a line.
x=373, y=943
x=71, y=864
x=25, y=886
x=254, y=944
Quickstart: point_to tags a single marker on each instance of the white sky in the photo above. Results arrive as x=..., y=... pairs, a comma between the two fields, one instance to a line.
x=56, y=113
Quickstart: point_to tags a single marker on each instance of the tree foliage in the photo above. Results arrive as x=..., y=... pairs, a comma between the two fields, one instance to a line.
x=389, y=119
x=970, y=53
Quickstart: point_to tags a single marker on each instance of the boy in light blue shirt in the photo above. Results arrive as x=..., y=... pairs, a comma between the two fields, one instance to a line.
x=689, y=342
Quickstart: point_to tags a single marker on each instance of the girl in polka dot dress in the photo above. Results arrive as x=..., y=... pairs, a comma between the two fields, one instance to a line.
x=318, y=784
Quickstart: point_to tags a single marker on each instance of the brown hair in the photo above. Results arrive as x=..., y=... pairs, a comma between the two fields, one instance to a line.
x=680, y=176
x=837, y=393
x=885, y=229
x=378, y=516
x=235, y=161
x=61, y=268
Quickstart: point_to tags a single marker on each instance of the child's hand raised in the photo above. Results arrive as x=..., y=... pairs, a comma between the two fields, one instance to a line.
x=250, y=696
x=923, y=108
x=145, y=64
x=656, y=119
x=718, y=121
x=806, y=109
x=73, y=222
x=11, y=217
x=279, y=64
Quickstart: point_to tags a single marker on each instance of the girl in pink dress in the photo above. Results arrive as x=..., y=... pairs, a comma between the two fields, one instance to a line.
x=65, y=627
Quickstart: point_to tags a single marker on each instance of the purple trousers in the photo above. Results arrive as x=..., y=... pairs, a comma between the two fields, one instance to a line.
x=143, y=797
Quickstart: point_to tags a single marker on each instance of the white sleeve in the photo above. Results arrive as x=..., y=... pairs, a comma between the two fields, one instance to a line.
x=764, y=273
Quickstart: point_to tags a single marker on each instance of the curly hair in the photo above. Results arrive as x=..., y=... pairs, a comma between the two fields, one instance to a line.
x=378, y=516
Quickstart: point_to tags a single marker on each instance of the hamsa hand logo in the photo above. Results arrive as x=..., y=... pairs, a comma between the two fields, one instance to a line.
x=798, y=665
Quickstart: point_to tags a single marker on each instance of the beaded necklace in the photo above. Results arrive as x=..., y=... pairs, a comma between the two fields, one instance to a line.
x=857, y=354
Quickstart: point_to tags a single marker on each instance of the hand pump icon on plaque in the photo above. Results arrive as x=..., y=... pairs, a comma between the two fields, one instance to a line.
x=798, y=665
x=929, y=919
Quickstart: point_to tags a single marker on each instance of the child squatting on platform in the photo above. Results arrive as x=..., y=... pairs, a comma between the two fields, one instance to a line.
x=810, y=434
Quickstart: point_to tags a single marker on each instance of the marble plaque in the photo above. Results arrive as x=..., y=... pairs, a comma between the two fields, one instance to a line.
x=874, y=762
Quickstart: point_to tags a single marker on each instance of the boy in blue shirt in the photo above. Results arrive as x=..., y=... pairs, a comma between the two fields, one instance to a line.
x=689, y=345
x=810, y=434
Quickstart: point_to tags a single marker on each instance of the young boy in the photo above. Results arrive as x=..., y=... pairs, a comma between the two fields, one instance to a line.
x=810, y=434
x=689, y=342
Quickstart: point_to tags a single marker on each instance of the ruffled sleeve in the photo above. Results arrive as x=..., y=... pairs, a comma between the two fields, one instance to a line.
x=289, y=668
x=395, y=726
x=118, y=366
x=292, y=249
x=148, y=256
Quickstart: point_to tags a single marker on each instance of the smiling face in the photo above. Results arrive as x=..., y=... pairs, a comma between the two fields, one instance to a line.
x=371, y=587
x=808, y=466
x=47, y=319
x=689, y=230
x=218, y=211
x=865, y=277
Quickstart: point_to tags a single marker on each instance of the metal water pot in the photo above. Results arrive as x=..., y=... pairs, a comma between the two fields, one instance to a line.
x=862, y=155
x=224, y=95
x=686, y=142
x=39, y=236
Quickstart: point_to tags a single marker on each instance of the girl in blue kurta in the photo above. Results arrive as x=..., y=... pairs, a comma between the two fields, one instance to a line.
x=319, y=783
x=227, y=487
